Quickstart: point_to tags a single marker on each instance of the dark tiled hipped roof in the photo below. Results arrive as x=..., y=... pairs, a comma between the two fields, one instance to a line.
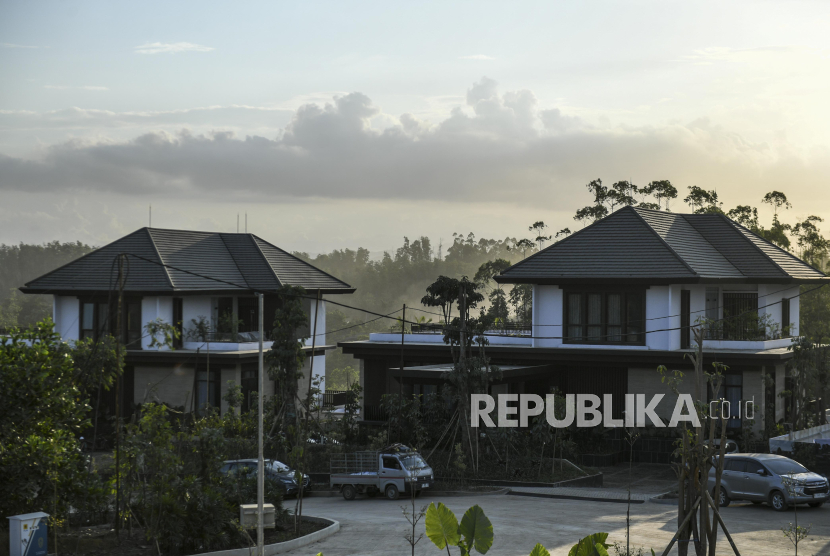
x=243, y=262
x=636, y=245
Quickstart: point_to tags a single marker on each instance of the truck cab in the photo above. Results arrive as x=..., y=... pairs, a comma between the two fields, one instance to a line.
x=394, y=470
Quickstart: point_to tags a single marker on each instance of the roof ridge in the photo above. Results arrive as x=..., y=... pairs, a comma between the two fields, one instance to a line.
x=561, y=241
x=82, y=257
x=233, y=259
x=158, y=254
x=731, y=223
x=665, y=243
x=782, y=250
x=253, y=239
x=302, y=261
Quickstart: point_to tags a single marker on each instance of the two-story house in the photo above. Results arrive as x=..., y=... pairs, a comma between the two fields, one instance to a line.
x=204, y=284
x=617, y=299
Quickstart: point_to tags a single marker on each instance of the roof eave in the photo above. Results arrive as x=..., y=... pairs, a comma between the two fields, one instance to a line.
x=170, y=292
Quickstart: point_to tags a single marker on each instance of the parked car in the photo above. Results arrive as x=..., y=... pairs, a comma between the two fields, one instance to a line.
x=393, y=470
x=762, y=478
x=275, y=470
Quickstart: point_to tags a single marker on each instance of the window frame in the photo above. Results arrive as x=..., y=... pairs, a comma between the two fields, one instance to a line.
x=625, y=321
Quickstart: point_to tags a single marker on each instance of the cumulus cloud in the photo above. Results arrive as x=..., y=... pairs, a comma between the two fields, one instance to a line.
x=171, y=48
x=497, y=147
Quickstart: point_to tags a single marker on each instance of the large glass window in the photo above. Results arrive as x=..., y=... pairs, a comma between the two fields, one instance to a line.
x=598, y=317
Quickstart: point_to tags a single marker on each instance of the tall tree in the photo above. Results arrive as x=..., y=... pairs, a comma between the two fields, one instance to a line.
x=702, y=201
x=660, y=190
x=539, y=228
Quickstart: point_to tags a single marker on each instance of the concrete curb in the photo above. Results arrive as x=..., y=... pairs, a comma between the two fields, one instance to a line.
x=282, y=547
x=572, y=497
x=329, y=493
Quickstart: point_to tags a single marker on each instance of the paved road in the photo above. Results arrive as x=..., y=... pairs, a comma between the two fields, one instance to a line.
x=374, y=527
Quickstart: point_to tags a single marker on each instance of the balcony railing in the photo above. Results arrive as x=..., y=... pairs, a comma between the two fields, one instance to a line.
x=508, y=329
x=228, y=337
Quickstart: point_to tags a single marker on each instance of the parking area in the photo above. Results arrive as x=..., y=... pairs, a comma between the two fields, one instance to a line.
x=376, y=526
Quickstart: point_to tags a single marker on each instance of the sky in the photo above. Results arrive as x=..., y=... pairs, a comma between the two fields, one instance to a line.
x=346, y=124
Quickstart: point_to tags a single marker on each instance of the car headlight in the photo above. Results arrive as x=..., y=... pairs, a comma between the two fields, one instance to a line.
x=799, y=490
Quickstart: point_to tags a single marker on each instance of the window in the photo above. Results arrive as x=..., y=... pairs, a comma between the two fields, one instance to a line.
x=712, y=313
x=602, y=317
x=391, y=463
x=732, y=392
x=95, y=320
x=207, y=389
x=738, y=465
x=248, y=312
x=785, y=318
x=178, y=317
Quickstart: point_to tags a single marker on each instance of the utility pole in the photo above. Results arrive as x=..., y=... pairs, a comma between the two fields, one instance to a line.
x=400, y=381
x=118, y=390
x=260, y=478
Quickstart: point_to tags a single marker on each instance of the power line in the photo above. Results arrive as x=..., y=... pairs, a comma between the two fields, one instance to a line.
x=380, y=315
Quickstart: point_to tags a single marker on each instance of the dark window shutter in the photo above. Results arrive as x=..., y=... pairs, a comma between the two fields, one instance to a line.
x=685, y=319
x=785, y=317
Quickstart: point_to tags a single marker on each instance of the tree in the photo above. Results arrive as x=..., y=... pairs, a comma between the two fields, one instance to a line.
x=524, y=245
x=539, y=229
x=487, y=271
x=564, y=232
x=702, y=201
x=286, y=356
x=812, y=245
x=622, y=194
x=746, y=216
x=661, y=189
x=521, y=298
x=598, y=210
x=776, y=200
x=443, y=293
x=49, y=383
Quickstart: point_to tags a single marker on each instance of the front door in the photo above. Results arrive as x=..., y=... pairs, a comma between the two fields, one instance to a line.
x=756, y=485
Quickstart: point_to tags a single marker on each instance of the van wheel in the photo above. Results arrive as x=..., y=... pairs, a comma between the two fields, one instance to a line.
x=349, y=492
x=778, y=502
x=392, y=492
x=724, y=499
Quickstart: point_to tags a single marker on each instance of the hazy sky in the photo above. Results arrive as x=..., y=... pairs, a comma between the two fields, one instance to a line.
x=345, y=124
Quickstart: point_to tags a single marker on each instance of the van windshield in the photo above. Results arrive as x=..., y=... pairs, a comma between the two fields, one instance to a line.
x=413, y=462
x=785, y=467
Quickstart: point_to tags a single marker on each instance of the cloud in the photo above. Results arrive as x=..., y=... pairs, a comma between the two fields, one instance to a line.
x=476, y=57
x=174, y=47
x=82, y=87
x=12, y=45
x=498, y=147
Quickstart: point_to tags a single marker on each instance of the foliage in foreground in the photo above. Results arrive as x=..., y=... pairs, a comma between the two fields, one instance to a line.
x=45, y=385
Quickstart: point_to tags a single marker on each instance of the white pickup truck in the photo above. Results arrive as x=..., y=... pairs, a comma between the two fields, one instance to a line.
x=393, y=470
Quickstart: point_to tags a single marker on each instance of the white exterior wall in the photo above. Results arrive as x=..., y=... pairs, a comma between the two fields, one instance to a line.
x=658, y=309
x=66, y=312
x=153, y=308
x=547, y=316
x=192, y=309
x=321, y=326
x=772, y=294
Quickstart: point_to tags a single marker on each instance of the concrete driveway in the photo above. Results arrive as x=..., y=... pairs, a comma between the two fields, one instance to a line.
x=376, y=526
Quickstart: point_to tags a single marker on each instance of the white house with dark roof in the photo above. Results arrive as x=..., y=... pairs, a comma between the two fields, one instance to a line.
x=616, y=299
x=186, y=278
